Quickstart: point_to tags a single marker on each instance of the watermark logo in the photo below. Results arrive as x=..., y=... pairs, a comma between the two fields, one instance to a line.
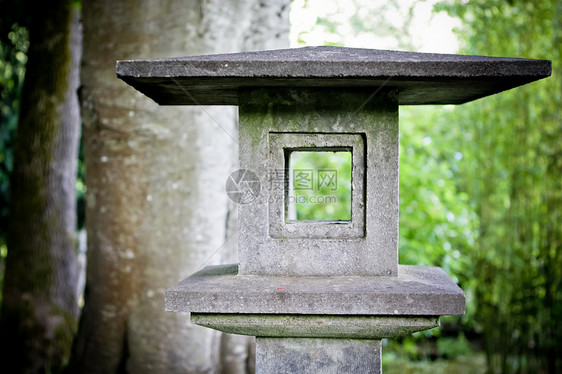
x=298, y=186
x=243, y=186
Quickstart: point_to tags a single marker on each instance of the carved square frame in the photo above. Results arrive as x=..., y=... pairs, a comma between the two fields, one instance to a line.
x=280, y=147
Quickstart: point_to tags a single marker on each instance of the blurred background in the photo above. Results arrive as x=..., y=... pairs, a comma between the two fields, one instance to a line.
x=480, y=183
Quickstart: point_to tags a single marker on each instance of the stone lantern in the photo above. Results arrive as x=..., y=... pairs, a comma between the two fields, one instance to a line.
x=319, y=295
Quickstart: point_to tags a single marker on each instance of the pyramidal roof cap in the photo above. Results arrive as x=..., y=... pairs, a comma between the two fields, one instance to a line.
x=420, y=78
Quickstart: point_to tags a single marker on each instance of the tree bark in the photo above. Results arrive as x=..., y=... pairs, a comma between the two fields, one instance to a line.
x=40, y=310
x=156, y=207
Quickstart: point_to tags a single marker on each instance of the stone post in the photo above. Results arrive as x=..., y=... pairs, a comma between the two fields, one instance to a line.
x=319, y=295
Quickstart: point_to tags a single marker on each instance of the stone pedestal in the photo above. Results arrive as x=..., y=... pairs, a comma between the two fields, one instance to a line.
x=327, y=356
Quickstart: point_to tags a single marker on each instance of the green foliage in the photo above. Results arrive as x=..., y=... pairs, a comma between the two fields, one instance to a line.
x=322, y=185
x=454, y=347
x=13, y=57
x=14, y=41
x=81, y=189
x=513, y=175
x=469, y=364
x=436, y=220
x=422, y=353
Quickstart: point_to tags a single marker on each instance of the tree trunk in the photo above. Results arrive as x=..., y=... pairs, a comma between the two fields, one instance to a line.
x=39, y=310
x=156, y=206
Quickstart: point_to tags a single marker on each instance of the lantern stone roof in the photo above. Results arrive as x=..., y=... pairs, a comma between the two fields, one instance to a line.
x=420, y=78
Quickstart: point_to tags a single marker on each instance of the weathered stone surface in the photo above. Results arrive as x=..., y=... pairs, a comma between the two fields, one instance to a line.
x=326, y=356
x=315, y=326
x=416, y=291
x=275, y=120
x=421, y=78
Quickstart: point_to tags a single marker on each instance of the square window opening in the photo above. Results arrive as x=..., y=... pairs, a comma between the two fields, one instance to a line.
x=319, y=187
